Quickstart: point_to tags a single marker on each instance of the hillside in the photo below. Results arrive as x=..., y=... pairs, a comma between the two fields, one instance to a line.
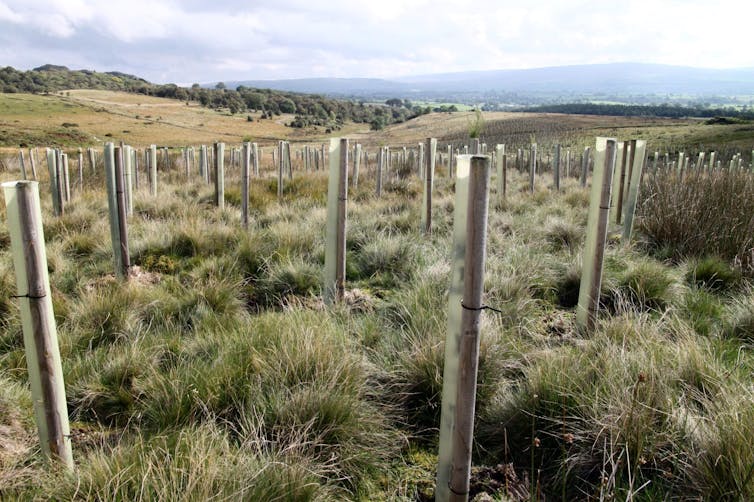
x=90, y=117
x=309, y=111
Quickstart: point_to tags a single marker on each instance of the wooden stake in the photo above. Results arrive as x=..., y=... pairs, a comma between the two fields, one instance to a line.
x=556, y=168
x=289, y=162
x=22, y=165
x=220, y=175
x=462, y=342
x=245, y=167
x=585, y=166
x=429, y=177
x=335, y=248
x=356, y=164
x=255, y=153
x=66, y=178
x=38, y=320
x=596, y=233
x=81, y=170
x=380, y=162
x=281, y=164
x=638, y=156
x=52, y=166
x=532, y=166
x=92, y=160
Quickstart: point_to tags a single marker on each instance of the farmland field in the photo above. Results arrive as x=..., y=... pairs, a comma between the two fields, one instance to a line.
x=217, y=371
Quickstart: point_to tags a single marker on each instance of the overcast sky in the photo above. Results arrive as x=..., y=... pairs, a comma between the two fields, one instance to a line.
x=210, y=40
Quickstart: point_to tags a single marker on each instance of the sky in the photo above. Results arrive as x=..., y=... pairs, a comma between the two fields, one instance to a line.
x=228, y=40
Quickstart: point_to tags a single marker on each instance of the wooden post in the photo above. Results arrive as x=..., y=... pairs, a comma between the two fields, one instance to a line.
x=638, y=154
x=462, y=342
x=556, y=168
x=117, y=210
x=92, y=160
x=245, y=167
x=624, y=167
x=153, y=169
x=24, y=217
x=585, y=166
x=596, y=233
x=52, y=166
x=288, y=160
x=532, y=166
x=450, y=161
x=429, y=181
x=379, y=171
x=476, y=148
x=501, y=170
x=220, y=175
x=356, y=164
x=22, y=165
x=335, y=247
x=66, y=178
x=80, y=160
x=135, y=170
x=281, y=164
x=568, y=163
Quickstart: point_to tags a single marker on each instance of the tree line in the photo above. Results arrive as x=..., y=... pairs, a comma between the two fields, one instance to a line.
x=308, y=109
x=662, y=110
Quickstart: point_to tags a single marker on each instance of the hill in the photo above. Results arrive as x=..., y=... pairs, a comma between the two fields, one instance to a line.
x=309, y=111
x=622, y=82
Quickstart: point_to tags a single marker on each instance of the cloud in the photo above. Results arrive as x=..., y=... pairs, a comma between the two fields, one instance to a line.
x=199, y=41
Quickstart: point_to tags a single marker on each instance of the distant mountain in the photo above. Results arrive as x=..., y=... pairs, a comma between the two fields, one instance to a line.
x=560, y=83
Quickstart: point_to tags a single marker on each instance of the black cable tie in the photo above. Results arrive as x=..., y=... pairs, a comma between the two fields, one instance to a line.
x=27, y=295
x=483, y=307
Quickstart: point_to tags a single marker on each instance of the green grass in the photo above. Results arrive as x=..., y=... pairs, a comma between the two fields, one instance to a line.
x=217, y=371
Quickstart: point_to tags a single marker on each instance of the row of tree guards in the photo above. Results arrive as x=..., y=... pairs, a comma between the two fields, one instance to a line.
x=617, y=172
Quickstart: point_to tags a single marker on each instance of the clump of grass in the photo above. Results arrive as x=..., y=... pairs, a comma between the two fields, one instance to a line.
x=385, y=260
x=700, y=215
x=714, y=274
x=283, y=279
x=106, y=315
x=648, y=285
x=739, y=322
x=567, y=286
x=599, y=417
x=722, y=467
x=561, y=234
x=194, y=464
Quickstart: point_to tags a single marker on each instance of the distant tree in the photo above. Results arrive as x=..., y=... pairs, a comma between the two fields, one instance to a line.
x=394, y=102
x=220, y=86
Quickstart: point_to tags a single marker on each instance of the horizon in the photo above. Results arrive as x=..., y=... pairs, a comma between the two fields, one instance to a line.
x=395, y=78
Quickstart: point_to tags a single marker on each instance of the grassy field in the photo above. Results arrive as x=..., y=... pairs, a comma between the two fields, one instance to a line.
x=86, y=117
x=218, y=373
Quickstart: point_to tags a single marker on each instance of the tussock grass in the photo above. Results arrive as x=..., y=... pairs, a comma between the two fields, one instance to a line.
x=217, y=371
x=698, y=215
